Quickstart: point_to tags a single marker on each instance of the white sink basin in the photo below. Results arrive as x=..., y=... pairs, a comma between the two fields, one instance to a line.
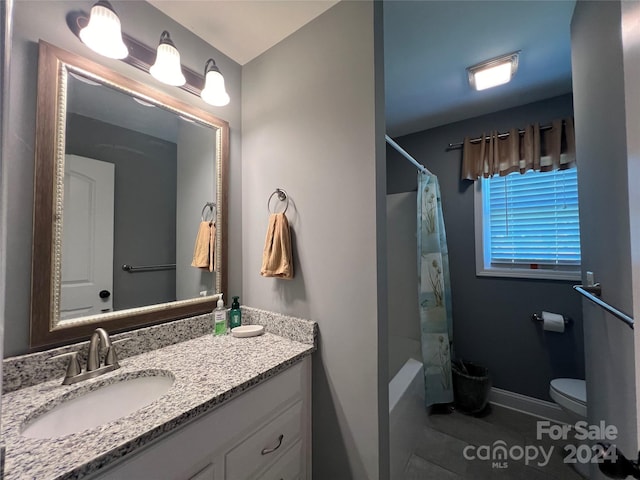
x=97, y=407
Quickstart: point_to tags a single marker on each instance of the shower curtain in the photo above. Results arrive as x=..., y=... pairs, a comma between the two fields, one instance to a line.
x=434, y=293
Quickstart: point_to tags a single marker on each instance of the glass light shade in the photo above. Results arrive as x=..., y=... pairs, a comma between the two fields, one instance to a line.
x=103, y=33
x=494, y=72
x=167, y=67
x=214, y=92
x=492, y=77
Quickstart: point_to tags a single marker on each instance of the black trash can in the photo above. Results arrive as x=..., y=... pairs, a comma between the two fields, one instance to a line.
x=471, y=386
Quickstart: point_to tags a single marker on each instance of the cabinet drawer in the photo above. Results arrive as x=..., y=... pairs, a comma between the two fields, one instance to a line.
x=265, y=445
x=287, y=468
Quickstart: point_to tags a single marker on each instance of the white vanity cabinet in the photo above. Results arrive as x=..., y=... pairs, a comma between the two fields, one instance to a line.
x=264, y=433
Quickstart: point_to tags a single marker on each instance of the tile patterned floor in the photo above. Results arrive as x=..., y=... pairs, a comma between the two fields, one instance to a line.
x=439, y=453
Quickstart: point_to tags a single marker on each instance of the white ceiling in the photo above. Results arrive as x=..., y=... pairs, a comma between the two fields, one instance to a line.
x=427, y=47
x=429, y=44
x=242, y=29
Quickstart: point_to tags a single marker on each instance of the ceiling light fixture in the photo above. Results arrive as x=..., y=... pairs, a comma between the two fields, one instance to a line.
x=214, y=92
x=167, y=67
x=103, y=33
x=493, y=72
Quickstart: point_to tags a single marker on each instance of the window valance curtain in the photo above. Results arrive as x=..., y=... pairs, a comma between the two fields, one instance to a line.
x=533, y=148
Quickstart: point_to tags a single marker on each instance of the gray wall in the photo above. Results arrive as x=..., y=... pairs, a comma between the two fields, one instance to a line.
x=6, y=22
x=196, y=186
x=492, y=315
x=144, y=211
x=402, y=280
x=47, y=20
x=631, y=55
x=601, y=100
x=311, y=125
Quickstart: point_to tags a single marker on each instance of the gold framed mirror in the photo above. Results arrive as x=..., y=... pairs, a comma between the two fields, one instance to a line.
x=75, y=95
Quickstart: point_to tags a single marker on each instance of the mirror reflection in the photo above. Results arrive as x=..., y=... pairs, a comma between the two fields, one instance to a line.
x=136, y=179
x=123, y=172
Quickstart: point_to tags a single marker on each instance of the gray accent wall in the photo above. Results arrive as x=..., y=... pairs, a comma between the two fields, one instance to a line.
x=46, y=20
x=144, y=206
x=491, y=315
x=312, y=125
x=606, y=120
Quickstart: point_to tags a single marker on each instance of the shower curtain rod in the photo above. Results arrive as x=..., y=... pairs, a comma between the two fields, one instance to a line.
x=458, y=146
x=402, y=151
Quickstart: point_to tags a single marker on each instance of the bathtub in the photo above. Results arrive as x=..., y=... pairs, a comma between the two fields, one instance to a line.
x=406, y=413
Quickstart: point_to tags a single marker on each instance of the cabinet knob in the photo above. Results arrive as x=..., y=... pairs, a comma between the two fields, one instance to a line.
x=104, y=294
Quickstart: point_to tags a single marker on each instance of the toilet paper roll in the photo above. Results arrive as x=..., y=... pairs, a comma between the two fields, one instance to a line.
x=552, y=322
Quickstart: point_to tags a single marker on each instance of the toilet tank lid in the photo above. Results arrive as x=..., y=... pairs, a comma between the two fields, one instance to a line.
x=571, y=387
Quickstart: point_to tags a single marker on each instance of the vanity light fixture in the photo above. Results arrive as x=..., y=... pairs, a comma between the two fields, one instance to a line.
x=214, y=92
x=103, y=33
x=167, y=67
x=493, y=72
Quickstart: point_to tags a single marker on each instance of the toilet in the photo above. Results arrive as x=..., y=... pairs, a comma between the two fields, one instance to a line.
x=571, y=395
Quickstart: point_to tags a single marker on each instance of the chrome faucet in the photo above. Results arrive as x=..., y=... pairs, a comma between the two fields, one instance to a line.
x=99, y=341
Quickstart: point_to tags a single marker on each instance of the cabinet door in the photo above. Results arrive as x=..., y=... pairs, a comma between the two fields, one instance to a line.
x=207, y=473
x=287, y=468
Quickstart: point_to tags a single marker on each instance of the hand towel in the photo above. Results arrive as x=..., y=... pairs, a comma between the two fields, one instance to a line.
x=204, y=250
x=277, y=255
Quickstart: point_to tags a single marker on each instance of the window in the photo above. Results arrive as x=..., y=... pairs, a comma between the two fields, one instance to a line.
x=527, y=225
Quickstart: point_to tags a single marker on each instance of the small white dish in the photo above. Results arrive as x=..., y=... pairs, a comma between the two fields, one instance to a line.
x=247, y=331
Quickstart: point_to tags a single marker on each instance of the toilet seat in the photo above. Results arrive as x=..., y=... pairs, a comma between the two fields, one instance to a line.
x=571, y=394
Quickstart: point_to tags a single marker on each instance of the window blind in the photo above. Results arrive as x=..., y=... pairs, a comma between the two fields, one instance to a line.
x=533, y=218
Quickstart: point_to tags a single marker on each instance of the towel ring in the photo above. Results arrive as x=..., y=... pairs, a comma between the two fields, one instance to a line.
x=282, y=196
x=211, y=206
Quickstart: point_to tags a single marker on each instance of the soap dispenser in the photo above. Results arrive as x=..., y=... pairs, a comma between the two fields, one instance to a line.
x=235, y=315
x=220, y=318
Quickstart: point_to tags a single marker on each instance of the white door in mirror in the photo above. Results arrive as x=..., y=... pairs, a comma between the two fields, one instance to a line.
x=247, y=331
x=87, y=247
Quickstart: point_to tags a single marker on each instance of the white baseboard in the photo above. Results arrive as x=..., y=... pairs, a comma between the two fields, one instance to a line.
x=528, y=405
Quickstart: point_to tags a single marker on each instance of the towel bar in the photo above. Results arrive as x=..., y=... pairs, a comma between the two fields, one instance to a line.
x=148, y=268
x=588, y=293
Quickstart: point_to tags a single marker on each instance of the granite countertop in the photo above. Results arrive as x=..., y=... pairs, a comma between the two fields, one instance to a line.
x=208, y=371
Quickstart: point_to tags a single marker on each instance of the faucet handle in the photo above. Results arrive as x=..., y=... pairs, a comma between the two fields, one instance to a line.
x=112, y=356
x=73, y=367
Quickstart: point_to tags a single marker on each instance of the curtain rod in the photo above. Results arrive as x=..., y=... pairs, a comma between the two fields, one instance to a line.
x=402, y=151
x=458, y=146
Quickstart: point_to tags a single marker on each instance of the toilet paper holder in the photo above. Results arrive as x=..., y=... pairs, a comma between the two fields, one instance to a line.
x=538, y=318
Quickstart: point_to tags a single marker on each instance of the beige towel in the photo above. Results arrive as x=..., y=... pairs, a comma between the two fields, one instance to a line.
x=277, y=255
x=204, y=250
